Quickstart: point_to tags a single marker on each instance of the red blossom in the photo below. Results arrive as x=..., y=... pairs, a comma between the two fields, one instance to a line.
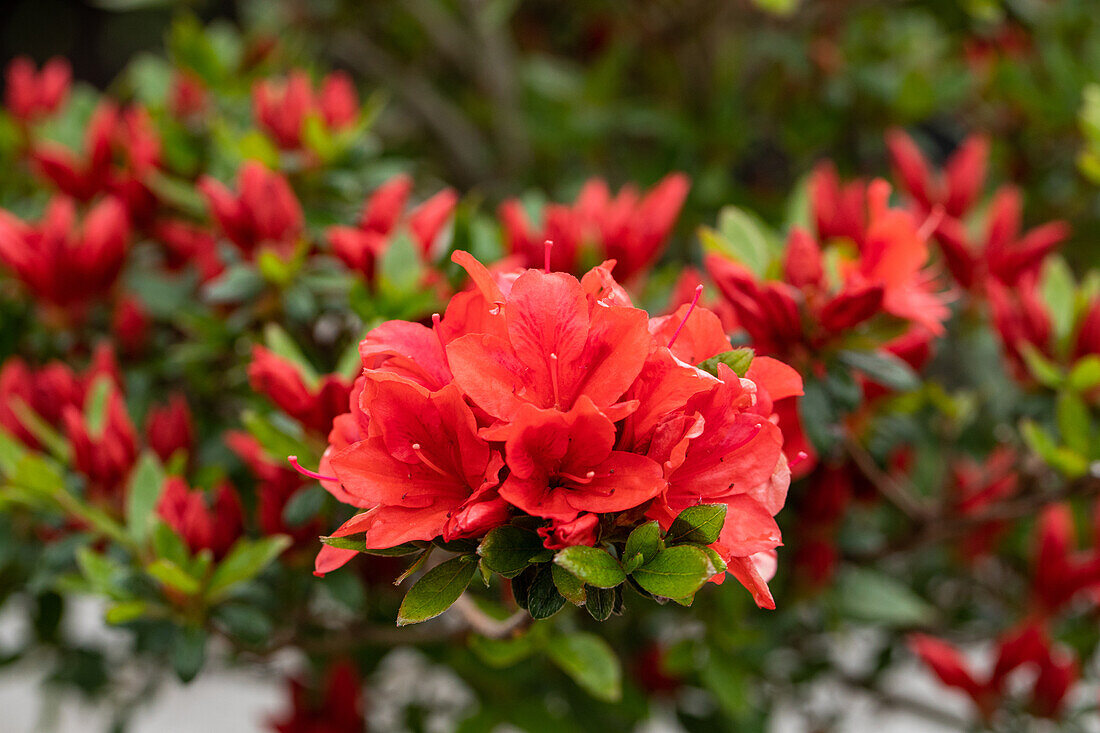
x=265, y=212
x=1025, y=646
x=62, y=262
x=189, y=244
x=104, y=454
x=130, y=325
x=542, y=394
x=30, y=95
x=282, y=382
x=955, y=189
x=1006, y=255
x=383, y=213
x=188, y=98
x=168, y=428
x=276, y=485
x=339, y=709
x=1061, y=573
x=202, y=524
x=281, y=106
x=629, y=227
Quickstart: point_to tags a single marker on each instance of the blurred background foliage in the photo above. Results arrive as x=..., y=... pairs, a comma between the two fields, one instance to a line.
x=498, y=96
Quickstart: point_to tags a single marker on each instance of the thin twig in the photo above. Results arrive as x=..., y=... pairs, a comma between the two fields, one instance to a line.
x=900, y=496
x=477, y=620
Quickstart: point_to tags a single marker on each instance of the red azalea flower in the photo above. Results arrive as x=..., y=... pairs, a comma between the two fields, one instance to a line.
x=63, y=263
x=276, y=485
x=281, y=106
x=104, y=454
x=130, y=325
x=282, y=382
x=589, y=406
x=1024, y=646
x=360, y=246
x=168, y=428
x=955, y=189
x=189, y=244
x=121, y=149
x=1060, y=572
x=978, y=486
x=265, y=213
x=1006, y=256
x=188, y=99
x=420, y=468
x=49, y=390
x=629, y=227
x=807, y=310
x=202, y=525
x=30, y=95
x=340, y=710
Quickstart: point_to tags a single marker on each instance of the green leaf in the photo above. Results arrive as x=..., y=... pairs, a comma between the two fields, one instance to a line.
x=700, y=524
x=355, y=542
x=189, y=652
x=869, y=595
x=1046, y=372
x=883, y=368
x=125, y=612
x=501, y=653
x=1061, y=458
x=1058, y=288
x=95, y=406
x=592, y=565
x=237, y=284
x=590, y=662
x=1073, y=422
x=819, y=416
x=508, y=550
x=168, y=545
x=543, y=598
x=739, y=360
x=599, y=602
x=42, y=431
x=146, y=482
x=1085, y=375
x=277, y=443
x=99, y=570
x=644, y=541
x=676, y=572
x=399, y=267
x=437, y=590
x=568, y=585
x=173, y=576
x=740, y=237
x=245, y=561
x=11, y=452
x=247, y=623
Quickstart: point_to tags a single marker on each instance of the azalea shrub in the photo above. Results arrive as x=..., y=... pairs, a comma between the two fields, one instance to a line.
x=273, y=388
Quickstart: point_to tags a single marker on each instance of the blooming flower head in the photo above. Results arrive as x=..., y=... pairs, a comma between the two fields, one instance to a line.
x=383, y=213
x=338, y=709
x=543, y=395
x=955, y=189
x=103, y=453
x=64, y=263
x=283, y=382
x=281, y=106
x=866, y=261
x=121, y=149
x=265, y=212
x=30, y=95
x=202, y=524
x=168, y=428
x=47, y=391
x=629, y=227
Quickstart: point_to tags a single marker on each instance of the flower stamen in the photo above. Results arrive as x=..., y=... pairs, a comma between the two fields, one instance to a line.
x=694, y=302
x=424, y=459
x=586, y=479
x=546, y=247
x=293, y=460
x=554, y=379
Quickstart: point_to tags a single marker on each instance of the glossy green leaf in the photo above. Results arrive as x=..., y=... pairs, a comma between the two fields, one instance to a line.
x=590, y=662
x=592, y=565
x=437, y=590
x=699, y=524
x=676, y=572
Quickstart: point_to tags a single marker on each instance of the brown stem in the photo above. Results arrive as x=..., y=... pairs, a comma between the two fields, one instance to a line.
x=900, y=496
x=480, y=622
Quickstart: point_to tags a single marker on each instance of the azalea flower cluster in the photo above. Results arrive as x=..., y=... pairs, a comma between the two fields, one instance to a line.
x=543, y=395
